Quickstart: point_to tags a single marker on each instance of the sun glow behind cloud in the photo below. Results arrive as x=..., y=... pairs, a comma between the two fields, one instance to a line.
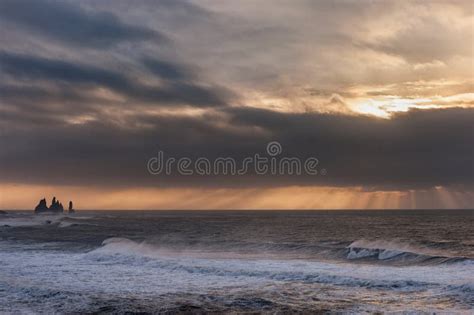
x=386, y=106
x=382, y=106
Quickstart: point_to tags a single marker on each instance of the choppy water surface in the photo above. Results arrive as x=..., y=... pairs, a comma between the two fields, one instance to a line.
x=237, y=262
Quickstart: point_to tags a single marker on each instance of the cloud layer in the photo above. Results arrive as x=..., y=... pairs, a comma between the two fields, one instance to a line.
x=380, y=92
x=419, y=149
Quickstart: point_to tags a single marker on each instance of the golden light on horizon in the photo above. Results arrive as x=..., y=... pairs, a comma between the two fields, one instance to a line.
x=25, y=197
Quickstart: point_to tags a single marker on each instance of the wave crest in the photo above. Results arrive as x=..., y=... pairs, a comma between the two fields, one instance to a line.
x=398, y=252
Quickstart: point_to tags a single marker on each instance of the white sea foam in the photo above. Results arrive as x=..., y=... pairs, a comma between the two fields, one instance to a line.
x=242, y=263
x=117, y=248
x=123, y=267
x=25, y=220
x=124, y=246
x=68, y=221
x=17, y=221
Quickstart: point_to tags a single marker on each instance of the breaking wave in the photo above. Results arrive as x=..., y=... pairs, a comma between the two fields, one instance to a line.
x=141, y=254
x=399, y=253
x=120, y=245
x=374, y=252
x=217, y=263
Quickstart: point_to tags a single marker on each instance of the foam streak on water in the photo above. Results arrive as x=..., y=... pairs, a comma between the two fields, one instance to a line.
x=237, y=262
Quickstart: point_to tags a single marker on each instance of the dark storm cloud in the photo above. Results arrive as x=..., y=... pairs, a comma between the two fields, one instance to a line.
x=29, y=68
x=72, y=24
x=59, y=126
x=167, y=70
x=412, y=150
x=23, y=105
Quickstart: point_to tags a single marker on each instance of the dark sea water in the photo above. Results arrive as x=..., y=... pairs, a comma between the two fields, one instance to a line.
x=237, y=262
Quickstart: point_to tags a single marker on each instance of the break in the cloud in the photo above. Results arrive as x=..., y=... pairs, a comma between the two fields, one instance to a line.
x=380, y=92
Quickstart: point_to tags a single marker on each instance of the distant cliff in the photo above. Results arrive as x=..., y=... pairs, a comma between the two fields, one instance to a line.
x=55, y=207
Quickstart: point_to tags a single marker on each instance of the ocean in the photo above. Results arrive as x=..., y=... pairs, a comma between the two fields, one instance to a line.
x=276, y=262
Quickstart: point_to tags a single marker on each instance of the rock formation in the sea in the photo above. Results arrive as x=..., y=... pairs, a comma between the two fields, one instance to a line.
x=70, y=208
x=55, y=207
x=41, y=206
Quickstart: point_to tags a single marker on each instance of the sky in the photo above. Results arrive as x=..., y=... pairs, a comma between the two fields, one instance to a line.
x=380, y=92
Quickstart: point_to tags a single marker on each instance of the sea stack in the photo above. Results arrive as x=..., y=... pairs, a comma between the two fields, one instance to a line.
x=55, y=207
x=41, y=206
x=70, y=208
